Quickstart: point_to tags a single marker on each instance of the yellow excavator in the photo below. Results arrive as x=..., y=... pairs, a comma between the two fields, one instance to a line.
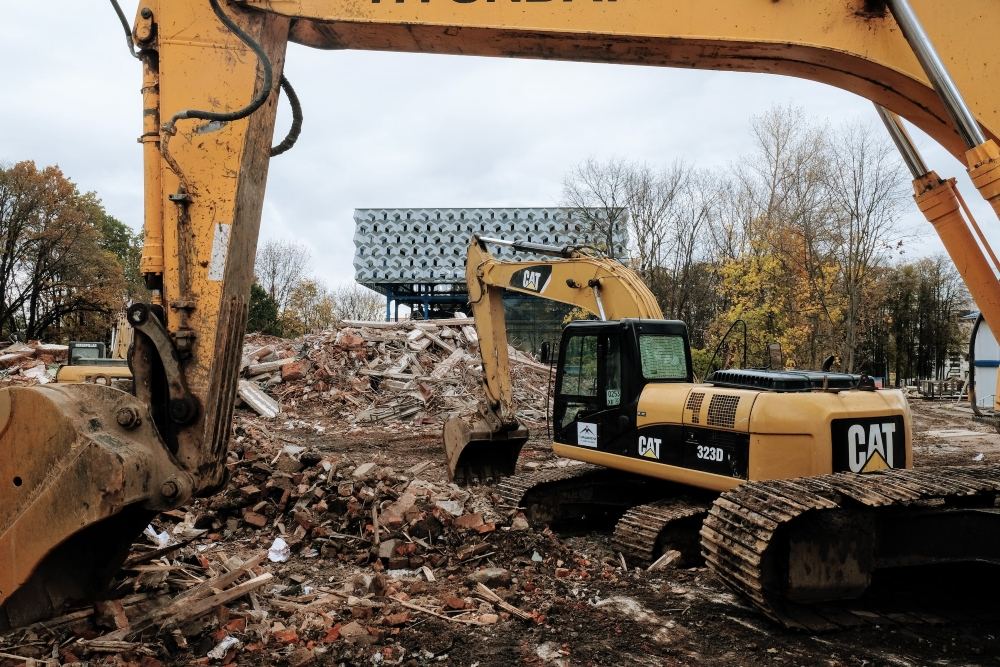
x=87, y=360
x=625, y=399
x=84, y=467
x=486, y=449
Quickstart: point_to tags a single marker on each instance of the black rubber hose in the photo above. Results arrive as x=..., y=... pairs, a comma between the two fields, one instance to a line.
x=258, y=99
x=296, y=129
x=128, y=31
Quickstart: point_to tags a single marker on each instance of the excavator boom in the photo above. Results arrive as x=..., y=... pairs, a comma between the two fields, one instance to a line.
x=487, y=449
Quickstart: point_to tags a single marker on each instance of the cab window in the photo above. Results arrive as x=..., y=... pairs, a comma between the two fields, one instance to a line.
x=579, y=376
x=663, y=357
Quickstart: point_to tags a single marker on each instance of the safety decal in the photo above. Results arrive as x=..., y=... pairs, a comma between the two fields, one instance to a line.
x=614, y=397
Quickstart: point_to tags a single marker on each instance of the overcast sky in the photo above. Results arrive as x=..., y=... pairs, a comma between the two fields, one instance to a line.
x=394, y=130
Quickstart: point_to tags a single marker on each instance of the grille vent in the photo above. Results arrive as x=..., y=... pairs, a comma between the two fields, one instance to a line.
x=722, y=410
x=694, y=405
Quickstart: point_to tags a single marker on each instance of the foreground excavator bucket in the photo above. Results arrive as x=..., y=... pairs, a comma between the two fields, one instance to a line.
x=477, y=454
x=82, y=472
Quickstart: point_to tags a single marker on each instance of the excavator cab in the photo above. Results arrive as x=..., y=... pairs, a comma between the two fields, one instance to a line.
x=603, y=367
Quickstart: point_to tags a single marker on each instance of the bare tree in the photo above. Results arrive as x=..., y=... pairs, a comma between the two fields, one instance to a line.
x=665, y=211
x=354, y=302
x=599, y=193
x=279, y=267
x=652, y=202
x=690, y=215
x=866, y=187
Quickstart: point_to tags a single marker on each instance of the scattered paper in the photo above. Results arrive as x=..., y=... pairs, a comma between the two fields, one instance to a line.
x=279, y=552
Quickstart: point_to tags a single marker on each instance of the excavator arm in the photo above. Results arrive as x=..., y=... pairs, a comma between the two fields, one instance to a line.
x=102, y=462
x=488, y=448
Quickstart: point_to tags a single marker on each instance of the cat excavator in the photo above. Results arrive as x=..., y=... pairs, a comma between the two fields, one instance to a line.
x=84, y=467
x=661, y=447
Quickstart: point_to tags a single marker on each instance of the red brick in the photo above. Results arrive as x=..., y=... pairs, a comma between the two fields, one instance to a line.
x=470, y=521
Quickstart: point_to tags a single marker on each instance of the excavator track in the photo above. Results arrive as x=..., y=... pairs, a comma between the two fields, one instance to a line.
x=581, y=497
x=842, y=533
x=514, y=489
x=645, y=532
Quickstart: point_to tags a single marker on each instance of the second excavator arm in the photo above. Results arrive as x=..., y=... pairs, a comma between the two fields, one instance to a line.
x=604, y=287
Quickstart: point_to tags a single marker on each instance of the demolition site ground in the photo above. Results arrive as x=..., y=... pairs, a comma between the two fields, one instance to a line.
x=344, y=543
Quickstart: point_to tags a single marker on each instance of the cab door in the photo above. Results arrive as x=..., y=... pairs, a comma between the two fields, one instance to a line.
x=589, y=397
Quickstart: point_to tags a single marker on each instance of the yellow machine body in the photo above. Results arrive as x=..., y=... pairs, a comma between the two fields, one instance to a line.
x=785, y=435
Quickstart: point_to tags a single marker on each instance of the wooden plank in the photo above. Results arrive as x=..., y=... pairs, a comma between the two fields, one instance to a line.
x=269, y=366
x=437, y=340
x=188, y=610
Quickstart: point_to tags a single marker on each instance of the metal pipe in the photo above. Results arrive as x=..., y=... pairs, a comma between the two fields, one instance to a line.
x=600, y=304
x=900, y=137
x=558, y=251
x=930, y=61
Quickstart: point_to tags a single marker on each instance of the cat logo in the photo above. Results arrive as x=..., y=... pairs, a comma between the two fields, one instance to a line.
x=871, y=448
x=866, y=444
x=532, y=279
x=649, y=447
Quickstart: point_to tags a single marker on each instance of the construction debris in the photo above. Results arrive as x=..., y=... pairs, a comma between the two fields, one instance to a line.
x=30, y=363
x=378, y=560
x=417, y=372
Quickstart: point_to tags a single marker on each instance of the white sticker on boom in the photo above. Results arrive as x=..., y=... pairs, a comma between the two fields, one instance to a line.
x=220, y=250
x=586, y=434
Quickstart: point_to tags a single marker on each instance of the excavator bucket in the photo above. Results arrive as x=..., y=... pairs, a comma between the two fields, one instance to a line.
x=82, y=471
x=477, y=454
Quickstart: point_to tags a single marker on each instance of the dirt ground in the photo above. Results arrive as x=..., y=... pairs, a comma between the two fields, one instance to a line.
x=585, y=609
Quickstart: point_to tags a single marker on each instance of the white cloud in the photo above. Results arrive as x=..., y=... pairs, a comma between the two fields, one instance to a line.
x=385, y=129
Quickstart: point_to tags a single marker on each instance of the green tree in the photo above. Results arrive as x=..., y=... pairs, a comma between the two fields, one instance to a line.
x=57, y=281
x=119, y=239
x=263, y=316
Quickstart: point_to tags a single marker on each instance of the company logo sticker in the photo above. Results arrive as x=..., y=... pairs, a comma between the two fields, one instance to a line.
x=533, y=279
x=867, y=445
x=586, y=434
x=649, y=447
x=870, y=448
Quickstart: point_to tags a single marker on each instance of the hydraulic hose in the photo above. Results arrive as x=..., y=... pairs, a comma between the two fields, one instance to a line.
x=296, y=128
x=259, y=98
x=128, y=32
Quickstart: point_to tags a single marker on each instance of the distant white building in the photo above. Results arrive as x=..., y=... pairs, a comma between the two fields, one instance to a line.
x=416, y=256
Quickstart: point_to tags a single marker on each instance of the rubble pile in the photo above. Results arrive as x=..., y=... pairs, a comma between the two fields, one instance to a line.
x=33, y=362
x=366, y=373
x=312, y=557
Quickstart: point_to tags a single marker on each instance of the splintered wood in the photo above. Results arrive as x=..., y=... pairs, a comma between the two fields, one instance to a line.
x=367, y=373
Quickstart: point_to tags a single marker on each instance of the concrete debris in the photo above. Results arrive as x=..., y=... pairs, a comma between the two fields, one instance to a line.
x=381, y=373
x=31, y=363
x=254, y=397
